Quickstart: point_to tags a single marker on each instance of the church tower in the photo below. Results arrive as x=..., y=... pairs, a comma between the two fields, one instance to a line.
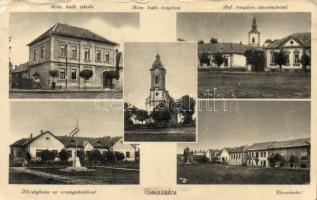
x=158, y=93
x=254, y=34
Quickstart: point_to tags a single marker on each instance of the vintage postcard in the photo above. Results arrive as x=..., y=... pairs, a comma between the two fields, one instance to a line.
x=158, y=99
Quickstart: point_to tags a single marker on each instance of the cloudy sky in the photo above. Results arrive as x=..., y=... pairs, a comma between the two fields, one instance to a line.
x=60, y=118
x=234, y=27
x=247, y=122
x=25, y=27
x=179, y=60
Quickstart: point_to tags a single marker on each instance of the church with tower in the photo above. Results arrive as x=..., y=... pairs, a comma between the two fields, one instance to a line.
x=233, y=53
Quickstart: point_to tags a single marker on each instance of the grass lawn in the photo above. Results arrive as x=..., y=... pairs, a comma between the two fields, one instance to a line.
x=99, y=176
x=65, y=95
x=187, y=134
x=218, y=174
x=255, y=85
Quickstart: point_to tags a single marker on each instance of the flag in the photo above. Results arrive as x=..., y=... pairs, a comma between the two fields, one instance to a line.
x=74, y=132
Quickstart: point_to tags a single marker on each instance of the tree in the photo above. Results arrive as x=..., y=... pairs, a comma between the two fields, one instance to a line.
x=129, y=112
x=95, y=157
x=63, y=155
x=305, y=61
x=280, y=58
x=187, y=109
x=213, y=40
x=275, y=159
x=161, y=114
x=141, y=115
x=186, y=154
x=255, y=58
x=201, y=42
x=54, y=74
x=28, y=157
x=119, y=156
x=294, y=160
x=218, y=59
x=204, y=58
x=86, y=74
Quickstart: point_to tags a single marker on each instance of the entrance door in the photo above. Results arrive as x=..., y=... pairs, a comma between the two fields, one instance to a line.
x=107, y=81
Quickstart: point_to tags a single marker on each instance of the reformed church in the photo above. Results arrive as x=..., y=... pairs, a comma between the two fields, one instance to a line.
x=294, y=44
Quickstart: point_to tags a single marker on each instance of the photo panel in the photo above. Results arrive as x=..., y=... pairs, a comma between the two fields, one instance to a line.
x=65, y=146
x=160, y=92
x=250, y=55
x=248, y=142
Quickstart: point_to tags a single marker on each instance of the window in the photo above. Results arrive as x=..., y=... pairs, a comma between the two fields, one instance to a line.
x=69, y=153
x=42, y=52
x=38, y=153
x=55, y=153
x=74, y=52
x=87, y=54
x=296, y=57
x=63, y=50
x=74, y=74
x=19, y=153
x=226, y=63
x=127, y=154
x=253, y=40
x=272, y=58
x=287, y=58
x=156, y=80
x=34, y=55
x=62, y=73
x=107, y=56
x=47, y=138
x=98, y=55
x=292, y=42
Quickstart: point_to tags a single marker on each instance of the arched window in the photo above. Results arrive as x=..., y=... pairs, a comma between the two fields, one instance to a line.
x=253, y=40
x=296, y=57
x=156, y=80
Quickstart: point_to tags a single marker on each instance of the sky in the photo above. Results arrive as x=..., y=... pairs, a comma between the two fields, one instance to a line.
x=234, y=27
x=60, y=118
x=179, y=59
x=25, y=27
x=248, y=122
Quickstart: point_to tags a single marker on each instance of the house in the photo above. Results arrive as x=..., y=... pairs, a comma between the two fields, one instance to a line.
x=233, y=53
x=225, y=155
x=46, y=140
x=258, y=154
x=298, y=148
x=294, y=45
x=213, y=155
x=69, y=50
x=238, y=155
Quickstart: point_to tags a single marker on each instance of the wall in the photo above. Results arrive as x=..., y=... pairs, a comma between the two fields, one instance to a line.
x=120, y=147
x=43, y=143
x=47, y=52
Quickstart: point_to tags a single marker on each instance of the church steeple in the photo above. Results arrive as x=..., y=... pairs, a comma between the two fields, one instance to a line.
x=254, y=34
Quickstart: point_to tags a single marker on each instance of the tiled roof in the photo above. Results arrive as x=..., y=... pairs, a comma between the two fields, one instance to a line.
x=72, y=31
x=239, y=149
x=233, y=48
x=260, y=146
x=302, y=38
x=102, y=142
x=290, y=143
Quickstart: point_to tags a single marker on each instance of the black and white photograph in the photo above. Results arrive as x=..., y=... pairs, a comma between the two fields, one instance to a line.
x=250, y=55
x=81, y=144
x=160, y=88
x=68, y=55
x=248, y=142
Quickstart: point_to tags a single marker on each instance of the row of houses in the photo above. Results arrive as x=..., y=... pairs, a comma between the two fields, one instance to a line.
x=69, y=50
x=46, y=140
x=294, y=45
x=259, y=154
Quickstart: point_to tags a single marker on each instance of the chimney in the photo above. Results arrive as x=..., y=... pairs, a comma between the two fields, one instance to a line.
x=41, y=131
x=240, y=42
x=31, y=136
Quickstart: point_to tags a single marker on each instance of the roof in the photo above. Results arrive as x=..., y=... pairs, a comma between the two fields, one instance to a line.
x=21, y=68
x=232, y=48
x=157, y=63
x=72, y=31
x=239, y=149
x=260, y=146
x=68, y=141
x=302, y=38
x=291, y=143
